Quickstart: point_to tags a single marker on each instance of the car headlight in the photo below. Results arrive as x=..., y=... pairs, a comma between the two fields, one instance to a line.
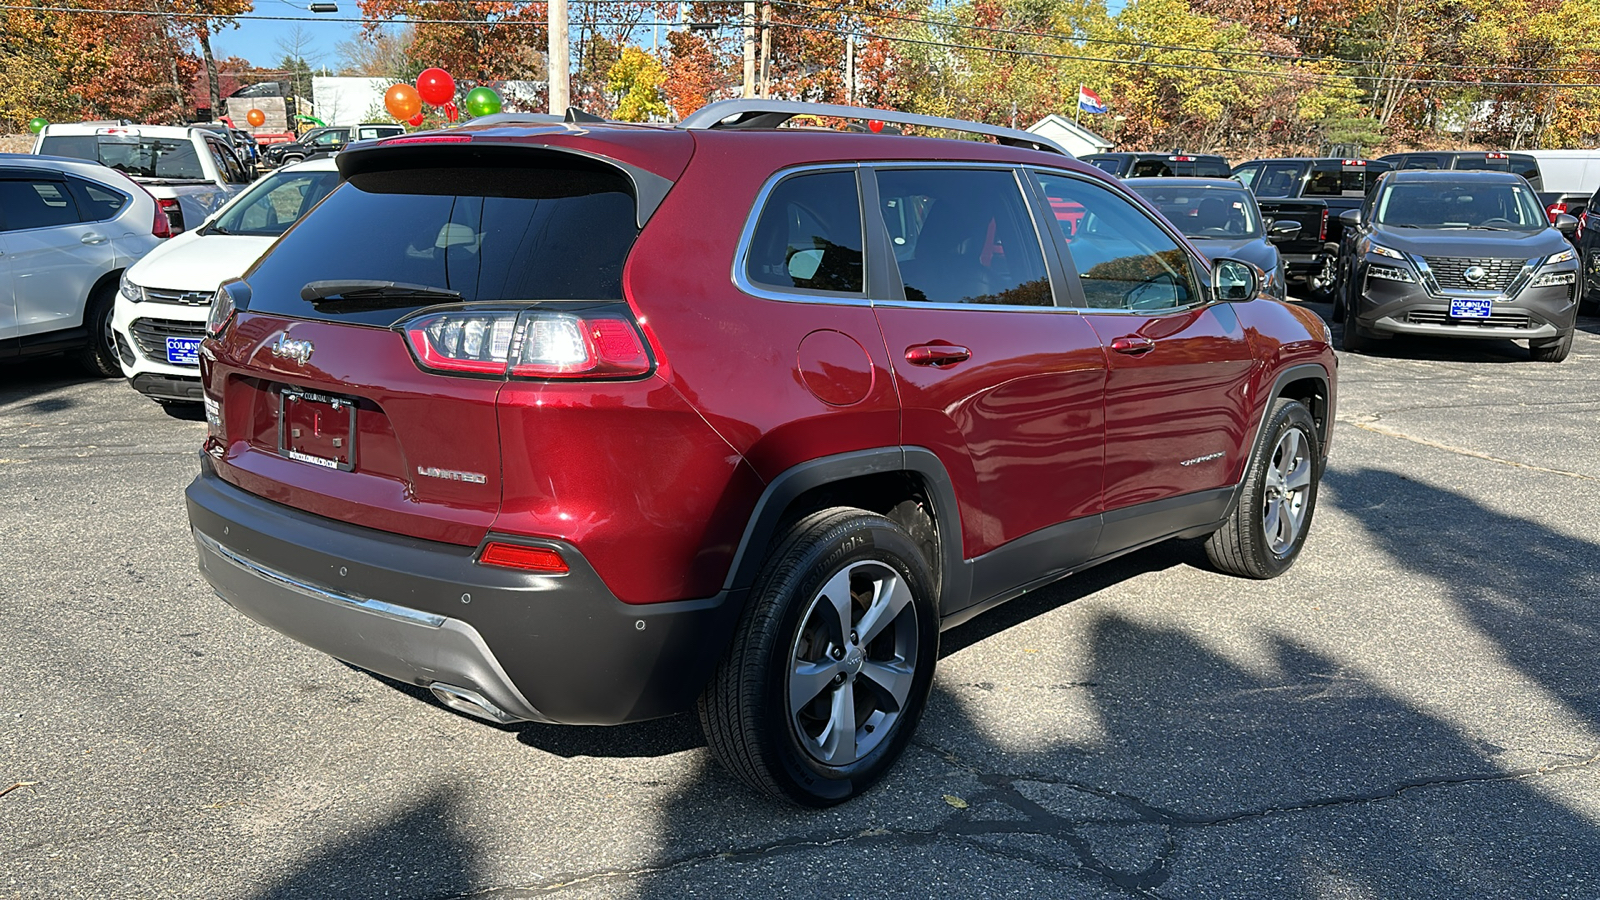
x=1552, y=279
x=1367, y=246
x=1566, y=255
x=130, y=292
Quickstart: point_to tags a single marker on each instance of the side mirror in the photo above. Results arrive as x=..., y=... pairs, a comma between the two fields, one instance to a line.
x=1566, y=224
x=1279, y=232
x=1350, y=218
x=1233, y=279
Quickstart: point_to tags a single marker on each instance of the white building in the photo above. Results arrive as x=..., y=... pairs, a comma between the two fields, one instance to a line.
x=1078, y=140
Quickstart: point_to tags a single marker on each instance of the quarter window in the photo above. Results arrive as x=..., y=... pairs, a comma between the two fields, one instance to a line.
x=96, y=202
x=1123, y=259
x=809, y=235
x=963, y=236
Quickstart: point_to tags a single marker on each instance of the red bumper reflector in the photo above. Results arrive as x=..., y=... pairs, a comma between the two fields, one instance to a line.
x=531, y=559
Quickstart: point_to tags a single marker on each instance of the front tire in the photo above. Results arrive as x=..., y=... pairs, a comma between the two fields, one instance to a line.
x=1264, y=533
x=100, y=356
x=1355, y=339
x=1551, y=351
x=831, y=664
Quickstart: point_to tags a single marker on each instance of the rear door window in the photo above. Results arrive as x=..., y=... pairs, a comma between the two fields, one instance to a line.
x=963, y=236
x=557, y=231
x=35, y=203
x=96, y=202
x=809, y=235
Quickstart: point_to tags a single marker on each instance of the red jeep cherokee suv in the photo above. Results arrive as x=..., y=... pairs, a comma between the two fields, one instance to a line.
x=593, y=423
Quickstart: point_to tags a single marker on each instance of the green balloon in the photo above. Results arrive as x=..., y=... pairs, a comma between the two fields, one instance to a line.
x=482, y=101
x=37, y=125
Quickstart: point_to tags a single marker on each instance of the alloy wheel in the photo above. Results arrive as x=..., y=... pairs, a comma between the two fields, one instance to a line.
x=1287, y=489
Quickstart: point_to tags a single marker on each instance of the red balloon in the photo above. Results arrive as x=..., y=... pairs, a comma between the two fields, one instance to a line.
x=415, y=120
x=402, y=101
x=451, y=113
x=436, y=86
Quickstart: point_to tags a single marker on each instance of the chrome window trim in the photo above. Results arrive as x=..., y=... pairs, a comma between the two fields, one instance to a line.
x=1165, y=227
x=741, y=257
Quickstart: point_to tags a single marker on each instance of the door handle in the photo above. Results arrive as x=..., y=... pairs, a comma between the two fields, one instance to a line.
x=937, y=354
x=92, y=239
x=1133, y=345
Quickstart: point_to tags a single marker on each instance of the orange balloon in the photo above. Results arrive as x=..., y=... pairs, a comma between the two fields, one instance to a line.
x=256, y=118
x=402, y=101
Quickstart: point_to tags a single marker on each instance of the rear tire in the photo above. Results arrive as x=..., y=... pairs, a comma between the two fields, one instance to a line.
x=831, y=664
x=1321, y=285
x=1264, y=533
x=1551, y=351
x=100, y=356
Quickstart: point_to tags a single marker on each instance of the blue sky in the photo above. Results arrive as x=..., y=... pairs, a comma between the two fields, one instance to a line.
x=257, y=40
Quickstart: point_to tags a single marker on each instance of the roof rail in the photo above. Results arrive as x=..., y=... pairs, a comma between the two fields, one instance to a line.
x=752, y=113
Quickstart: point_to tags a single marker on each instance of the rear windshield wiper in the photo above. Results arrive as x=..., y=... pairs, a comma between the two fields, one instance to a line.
x=372, y=293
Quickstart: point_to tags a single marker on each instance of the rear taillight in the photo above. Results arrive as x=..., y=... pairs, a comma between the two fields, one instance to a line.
x=225, y=304
x=1322, y=229
x=529, y=559
x=1583, y=222
x=529, y=343
x=162, y=226
x=169, y=210
x=1555, y=209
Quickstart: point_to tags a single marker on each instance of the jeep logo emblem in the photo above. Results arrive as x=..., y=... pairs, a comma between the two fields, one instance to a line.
x=299, y=351
x=1475, y=274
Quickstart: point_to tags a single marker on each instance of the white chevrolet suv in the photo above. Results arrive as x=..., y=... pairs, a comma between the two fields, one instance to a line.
x=164, y=300
x=68, y=229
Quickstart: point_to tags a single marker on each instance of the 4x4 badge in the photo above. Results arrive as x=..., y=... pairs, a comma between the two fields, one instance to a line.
x=299, y=351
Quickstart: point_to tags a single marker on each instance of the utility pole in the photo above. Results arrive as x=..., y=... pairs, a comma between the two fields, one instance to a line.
x=849, y=69
x=558, y=67
x=749, y=48
x=766, y=50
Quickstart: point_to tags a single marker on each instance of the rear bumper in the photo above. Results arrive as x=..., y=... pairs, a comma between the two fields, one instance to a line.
x=538, y=648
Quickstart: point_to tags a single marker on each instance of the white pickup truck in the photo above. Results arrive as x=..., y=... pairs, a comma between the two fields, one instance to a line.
x=190, y=171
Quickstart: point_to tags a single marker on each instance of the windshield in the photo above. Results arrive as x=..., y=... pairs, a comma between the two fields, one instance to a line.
x=274, y=203
x=1461, y=204
x=134, y=156
x=1205, y=212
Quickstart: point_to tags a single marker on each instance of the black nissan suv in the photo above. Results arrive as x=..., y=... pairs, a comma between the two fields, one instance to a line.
x=1457, y=254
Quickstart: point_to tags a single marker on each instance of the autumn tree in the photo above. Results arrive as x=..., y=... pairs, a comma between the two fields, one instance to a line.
x=635, y=83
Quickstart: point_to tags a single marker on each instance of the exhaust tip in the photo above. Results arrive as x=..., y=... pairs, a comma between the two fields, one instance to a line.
x=472, y=703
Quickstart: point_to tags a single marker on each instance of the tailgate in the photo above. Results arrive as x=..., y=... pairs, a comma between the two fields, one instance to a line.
x=361, y=381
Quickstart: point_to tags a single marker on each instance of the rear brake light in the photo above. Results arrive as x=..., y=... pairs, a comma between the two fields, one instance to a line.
x=1181, y=158
x=1555, y=209
x=530, y=559
x=1496, y=156
x=173, y=213
x=1352, y=162
x=534, y=343
x=429, y=139
x=1322, y=230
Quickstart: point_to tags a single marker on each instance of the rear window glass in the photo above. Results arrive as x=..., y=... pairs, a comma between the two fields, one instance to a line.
x=1110, y=164
x=1208, y=168
x=554, y=232
x=139, y=157
x=1277, y=180
x=1150, y=168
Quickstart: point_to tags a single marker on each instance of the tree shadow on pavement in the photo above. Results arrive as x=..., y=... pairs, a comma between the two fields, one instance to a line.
x=420, y=852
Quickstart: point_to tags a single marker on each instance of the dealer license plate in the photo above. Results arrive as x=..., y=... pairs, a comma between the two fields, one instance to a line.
x=183, y=351
x=317, y=428
x=1465, y=308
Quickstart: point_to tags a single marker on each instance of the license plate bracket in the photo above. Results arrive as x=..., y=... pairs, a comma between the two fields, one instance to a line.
x=319, y=429
x=183, y=351
x=1471, y=307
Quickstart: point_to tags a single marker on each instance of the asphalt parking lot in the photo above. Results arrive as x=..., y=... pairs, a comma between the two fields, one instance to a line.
x=1411, y=712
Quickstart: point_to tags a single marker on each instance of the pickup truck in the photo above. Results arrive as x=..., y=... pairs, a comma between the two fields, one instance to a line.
x=1312, y=192
x=190, y=171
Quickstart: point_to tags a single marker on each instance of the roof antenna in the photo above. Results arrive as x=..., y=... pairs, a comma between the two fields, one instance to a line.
x=575, y=114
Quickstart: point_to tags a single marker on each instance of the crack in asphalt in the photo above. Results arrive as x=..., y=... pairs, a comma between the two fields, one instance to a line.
x=1036, y=821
